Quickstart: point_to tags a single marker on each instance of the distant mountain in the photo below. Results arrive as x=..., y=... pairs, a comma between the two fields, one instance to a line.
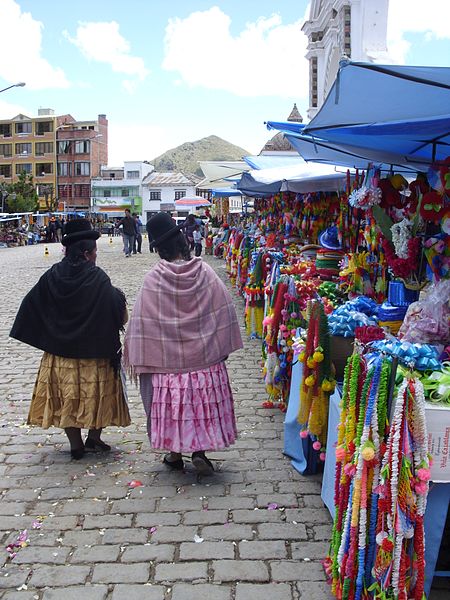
x=185, y=158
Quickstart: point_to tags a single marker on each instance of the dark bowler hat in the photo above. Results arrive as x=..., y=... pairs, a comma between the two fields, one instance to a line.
x=78, y=229
x=160, y=228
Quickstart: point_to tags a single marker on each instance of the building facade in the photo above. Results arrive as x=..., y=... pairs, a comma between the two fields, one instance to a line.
x=61, y=154
x=356, y=29
x=162, y=189
x=119, y=188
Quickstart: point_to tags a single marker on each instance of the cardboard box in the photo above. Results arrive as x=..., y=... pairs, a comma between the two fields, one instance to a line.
x=438, y=426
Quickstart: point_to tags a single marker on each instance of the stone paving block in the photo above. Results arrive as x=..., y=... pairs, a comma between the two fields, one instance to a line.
x=189, y=571
x=309, y=516
x=285, y=500
x=205, y=517
x=200, y=591
x=311, y=550
x=103, y=521
x=240, y=570
x=271, y=591
x=182, y=533
x=145, y=591
x=21, y=495
x=230, y=503
x=13, y=576
x=315, y=590
x=112, y=493
x=83, y=507
x=154, y=491
x=282, y=531
x=18, y=596
x=150, y=552
x=262, y=550
x=118, y=573
x=96, y=554
x=321, y=532
x=157, y=519
x=129, y=506
x=44, y=575
x=297, y=571
x=45, y=555
x=12, y=508
x=252, y=489
x=126, y=535
x=61, y=523
x=60, y=493
x=87, y=592
x=257, y=516
x=230, y=531
x=263, y=475
x=179, y=504
x=206, y=550
x=81, y=538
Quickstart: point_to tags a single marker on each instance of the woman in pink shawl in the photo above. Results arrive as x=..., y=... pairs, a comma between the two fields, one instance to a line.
x=182, y=329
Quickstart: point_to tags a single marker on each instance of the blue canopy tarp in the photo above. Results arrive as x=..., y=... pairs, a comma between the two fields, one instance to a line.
x=301, y=178
x=367, y=93
x=225, y=192
x=268, y=161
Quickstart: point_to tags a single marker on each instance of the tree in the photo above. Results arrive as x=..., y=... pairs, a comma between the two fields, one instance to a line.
x=21, y=196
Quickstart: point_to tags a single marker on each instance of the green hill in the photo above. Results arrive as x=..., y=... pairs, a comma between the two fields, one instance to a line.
x=185, y=158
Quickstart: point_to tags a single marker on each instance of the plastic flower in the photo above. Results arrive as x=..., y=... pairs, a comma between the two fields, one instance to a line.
x=310, y=380
x=424, y=474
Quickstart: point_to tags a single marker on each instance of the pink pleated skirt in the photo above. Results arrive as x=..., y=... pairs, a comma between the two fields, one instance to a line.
x=188, y=412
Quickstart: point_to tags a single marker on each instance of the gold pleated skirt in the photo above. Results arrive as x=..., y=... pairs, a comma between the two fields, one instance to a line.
x=78, y=392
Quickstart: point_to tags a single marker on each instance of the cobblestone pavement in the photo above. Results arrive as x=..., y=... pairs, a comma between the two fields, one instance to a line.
x=254, y=527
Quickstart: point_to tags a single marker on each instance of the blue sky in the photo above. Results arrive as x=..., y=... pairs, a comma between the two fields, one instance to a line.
x=170, y=71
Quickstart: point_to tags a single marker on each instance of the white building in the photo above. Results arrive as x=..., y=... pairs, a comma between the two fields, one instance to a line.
x=120, y=188
x=356, y=29
x=162, y=189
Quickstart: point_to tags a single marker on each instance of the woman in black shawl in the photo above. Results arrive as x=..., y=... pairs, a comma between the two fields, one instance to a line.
x=74, y=315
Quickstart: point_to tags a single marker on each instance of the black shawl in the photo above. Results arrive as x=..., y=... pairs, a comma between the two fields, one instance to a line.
x=72, y=311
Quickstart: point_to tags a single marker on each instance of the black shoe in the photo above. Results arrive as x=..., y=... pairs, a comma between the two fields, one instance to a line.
x=176, y=465
x=96, y=445
x=203, y=465
x=77, y=454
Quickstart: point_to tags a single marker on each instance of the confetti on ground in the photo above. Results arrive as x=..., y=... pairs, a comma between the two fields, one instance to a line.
x=135, y=483
x=272, y=506
x=198, y=539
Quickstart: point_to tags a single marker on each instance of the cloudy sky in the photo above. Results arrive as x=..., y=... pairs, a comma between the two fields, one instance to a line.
x=170, y=71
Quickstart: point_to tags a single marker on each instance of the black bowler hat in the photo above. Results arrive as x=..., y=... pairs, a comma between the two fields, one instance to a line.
x=160, y=228
x=78, y=229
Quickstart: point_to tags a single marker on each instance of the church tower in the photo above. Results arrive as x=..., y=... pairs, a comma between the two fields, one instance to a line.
x=356, y=29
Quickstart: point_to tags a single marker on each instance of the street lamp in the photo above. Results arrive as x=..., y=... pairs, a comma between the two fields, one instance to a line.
x=20, y=84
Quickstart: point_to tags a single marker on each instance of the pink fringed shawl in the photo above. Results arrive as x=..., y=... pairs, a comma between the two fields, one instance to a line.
x=183, y=320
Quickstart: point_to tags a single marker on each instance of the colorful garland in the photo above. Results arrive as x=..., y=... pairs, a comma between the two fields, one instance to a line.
x=317, y=382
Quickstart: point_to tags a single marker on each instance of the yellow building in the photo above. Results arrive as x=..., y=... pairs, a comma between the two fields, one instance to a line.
x=61, y=154
x=29, y=145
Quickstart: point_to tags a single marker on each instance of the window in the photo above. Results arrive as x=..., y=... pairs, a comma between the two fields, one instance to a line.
x=132, y=174
x=64, y=169
x=180, y=194
x=24, y=168
x=125, y=192
x=82, y=147
x=82, y=168
x=43, y=127
x=43, y=169
x=106, y=193
x=313, y=81
x=23, y=148
x=5, y=171
x=156, y=195
x=5, y=129
x=65, y=190
x=82, y=190
x=41, y=148
x=23, y=127
x=5, y=150
x=64, y=147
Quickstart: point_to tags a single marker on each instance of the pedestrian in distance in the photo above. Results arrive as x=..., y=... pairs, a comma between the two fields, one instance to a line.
x=128, y=232
x=182, y=329
x=197, y=241
x=74, y=314
x=137, y=244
